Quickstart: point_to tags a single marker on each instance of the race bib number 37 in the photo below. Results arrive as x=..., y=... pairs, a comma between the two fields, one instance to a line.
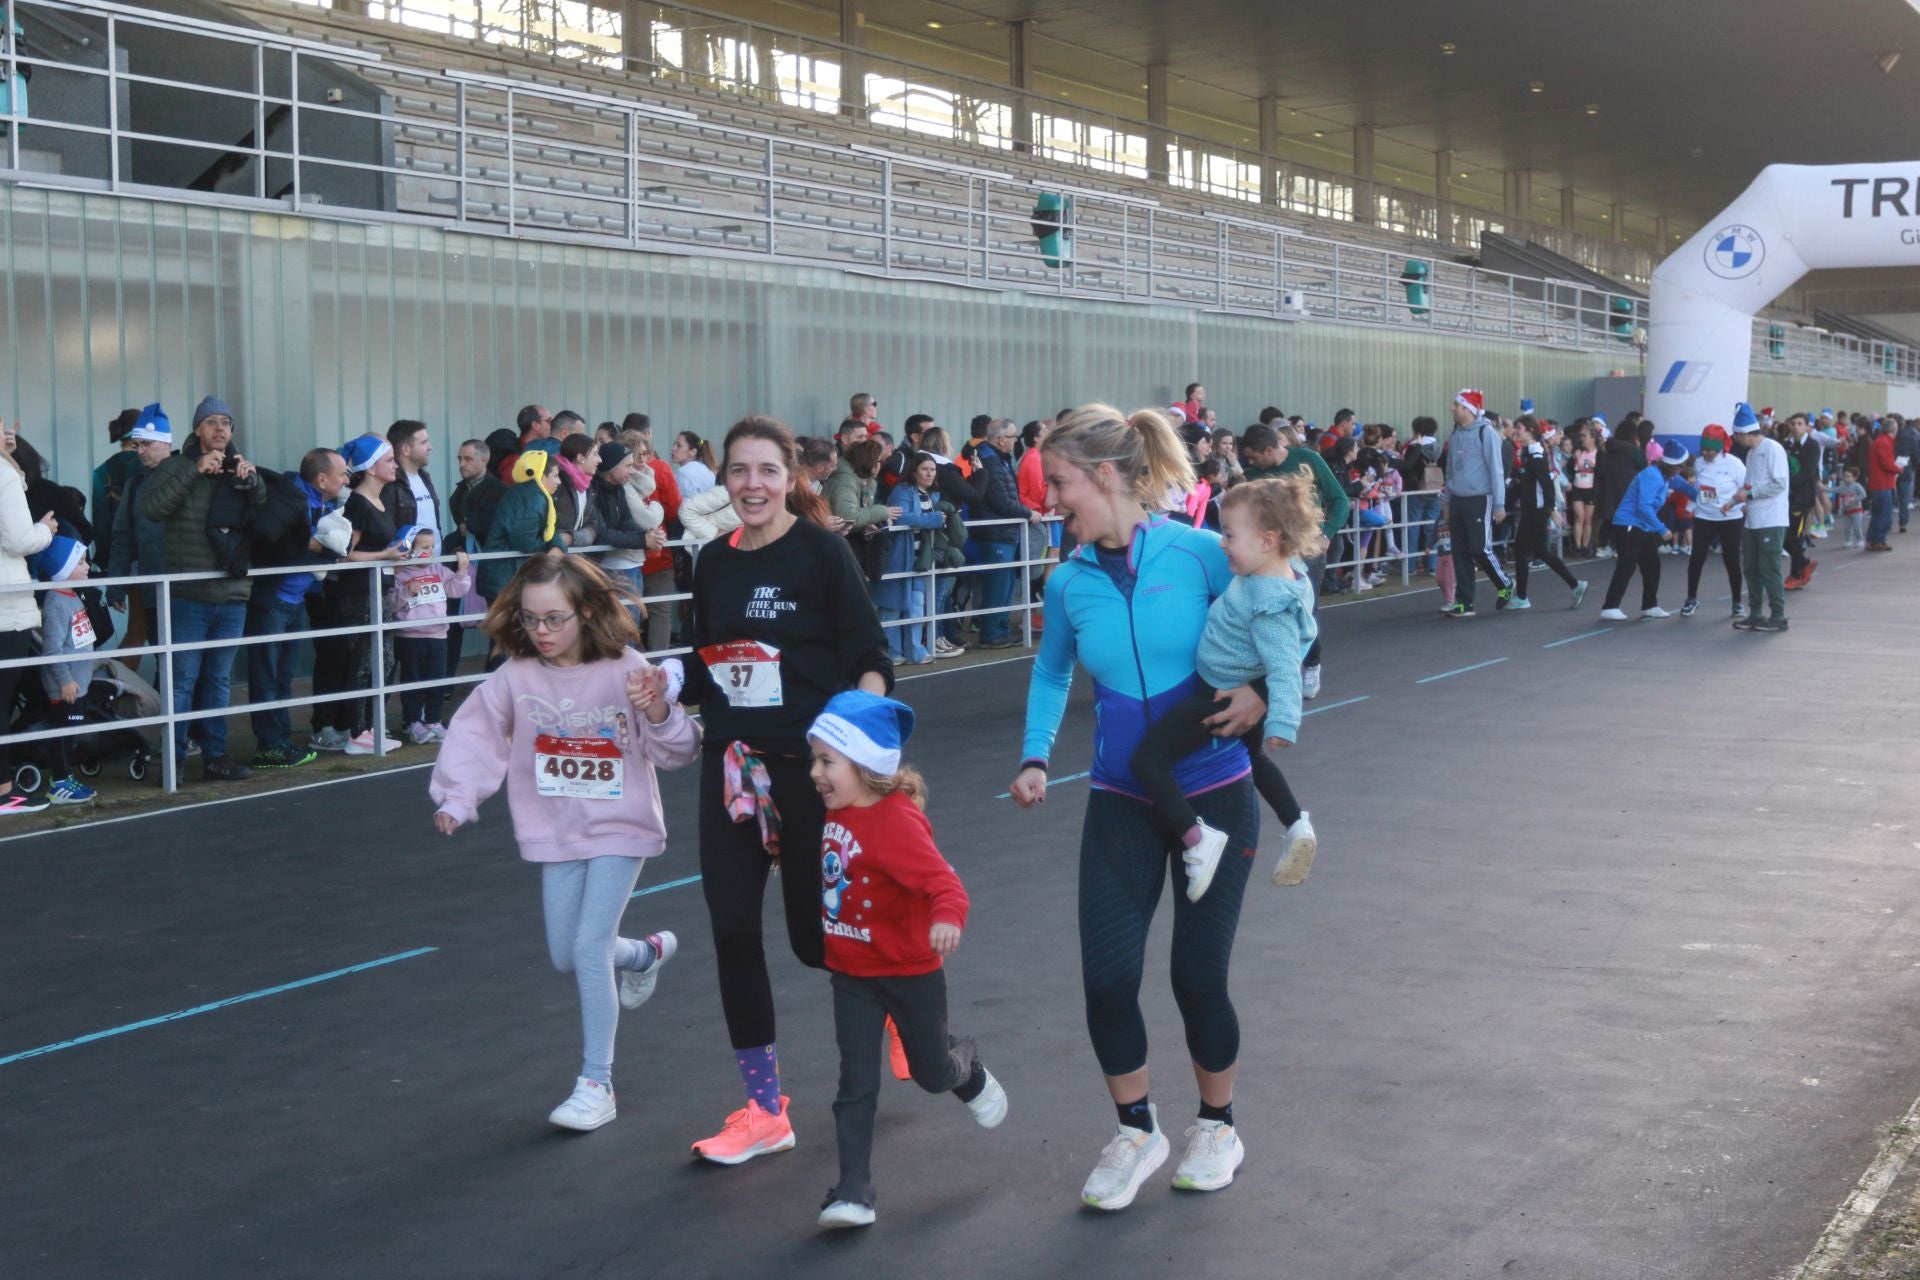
x=746, y=672
x=584, y=768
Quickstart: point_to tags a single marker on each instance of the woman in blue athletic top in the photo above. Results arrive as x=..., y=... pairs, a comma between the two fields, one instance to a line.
x=1129, y=605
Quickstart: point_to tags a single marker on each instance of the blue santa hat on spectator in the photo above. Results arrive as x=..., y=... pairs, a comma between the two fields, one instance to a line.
x=1673, y=453
x=362, y=452
x=152, y=424
x=57, y=561
x=404, y=538
x=865, y=728
x=1744, y=419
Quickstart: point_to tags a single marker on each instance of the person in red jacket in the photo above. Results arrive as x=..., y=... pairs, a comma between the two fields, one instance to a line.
x=1883, y=477
x=891, y=909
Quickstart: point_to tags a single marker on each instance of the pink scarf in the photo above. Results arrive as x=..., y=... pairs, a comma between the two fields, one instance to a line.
x=575, y=476
x=747, y=792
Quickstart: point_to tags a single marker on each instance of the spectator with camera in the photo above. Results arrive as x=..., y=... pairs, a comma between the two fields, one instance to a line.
x=201, y=496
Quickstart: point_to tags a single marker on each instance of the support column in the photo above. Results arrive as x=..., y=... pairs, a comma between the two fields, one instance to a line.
x=853, y=74
x=1617, y=220
x=1269, y=143
x=636, y=37
x=1363, y=203
x=1567, y=211
x=1518, y=185
x=1663, y=235
x=1158, y=138
x=1443, y=196
x=1020, y=77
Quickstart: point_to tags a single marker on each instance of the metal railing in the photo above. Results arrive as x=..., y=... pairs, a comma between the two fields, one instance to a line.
x=340, y=132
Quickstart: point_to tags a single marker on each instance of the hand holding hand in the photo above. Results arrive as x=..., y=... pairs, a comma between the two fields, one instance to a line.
x=444, y=822
x=1274, y=744
x=1244, y=709
x=647, y=691
x=1030, y=788
x=943, y=938
x=657, y=537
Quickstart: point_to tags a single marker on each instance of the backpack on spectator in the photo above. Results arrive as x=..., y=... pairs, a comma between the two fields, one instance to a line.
x=1420, y=468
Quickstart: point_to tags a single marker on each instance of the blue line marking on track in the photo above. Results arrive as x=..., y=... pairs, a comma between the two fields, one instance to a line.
x=1335, y=706
x=662, y=888
x=1460, y=671
x=217, y=1004
x=1051, y=784
x=1584, y=635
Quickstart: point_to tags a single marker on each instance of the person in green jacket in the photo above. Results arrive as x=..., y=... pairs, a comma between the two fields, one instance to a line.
x=1260, y=454
x=179, y=493
x=851, y=490
x=525, y=520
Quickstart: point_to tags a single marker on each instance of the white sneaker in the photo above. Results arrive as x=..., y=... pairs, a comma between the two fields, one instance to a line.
x=1362, y=586
x=1656, y=612
x=420, y=733
x=1310, y=682
x=361, y=744
x=1125, y=1162
x=1519, y=602
x=942, y=649
x=1613, y=615
x=636, y=985
x=838, y=1214
x=438, y=730
x=990, y=1108
x=1213, y=1153
x=1296, y=856
x=589, y=1107
x=1202, y=860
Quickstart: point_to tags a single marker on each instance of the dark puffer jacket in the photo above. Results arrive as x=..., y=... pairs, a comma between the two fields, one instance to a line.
x=177, y=495
x=1000, y=497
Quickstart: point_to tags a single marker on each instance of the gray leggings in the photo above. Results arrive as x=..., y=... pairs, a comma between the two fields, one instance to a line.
x=584, y=901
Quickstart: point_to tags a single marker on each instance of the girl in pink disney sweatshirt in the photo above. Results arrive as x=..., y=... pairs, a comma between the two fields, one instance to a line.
x=576, y=722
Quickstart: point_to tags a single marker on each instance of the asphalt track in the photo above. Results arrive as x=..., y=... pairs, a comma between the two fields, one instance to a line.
x=1605, y=970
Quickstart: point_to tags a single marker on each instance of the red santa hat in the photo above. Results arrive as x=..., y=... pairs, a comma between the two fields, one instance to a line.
x=1474, y=400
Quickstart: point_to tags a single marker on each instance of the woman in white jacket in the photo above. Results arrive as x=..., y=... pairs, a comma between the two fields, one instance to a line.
x=1718, y=475
x=647, y=514
x=20, y=536
x=708, y=515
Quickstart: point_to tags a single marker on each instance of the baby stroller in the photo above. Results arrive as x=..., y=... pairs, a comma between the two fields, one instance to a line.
x=114, y=694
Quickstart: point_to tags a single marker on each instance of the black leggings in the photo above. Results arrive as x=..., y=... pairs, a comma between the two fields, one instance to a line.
x=1181, y=732
x=1636, y=549
x=342, y=663
x=1705, y=534
x=733, y=876
x=1531, y=544
x=1125, y=861
x=14, y=644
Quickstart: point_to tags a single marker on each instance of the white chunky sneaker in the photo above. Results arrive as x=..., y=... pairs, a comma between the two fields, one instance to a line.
x=636, y=985
x=1613, y=615
x=1213, y=1153
x=839, y=1214
x=1310, y=682
x=1296, y=856
x=990, y=1107
x=1125, y=1163
x=1202, y=860
x=589, y=1107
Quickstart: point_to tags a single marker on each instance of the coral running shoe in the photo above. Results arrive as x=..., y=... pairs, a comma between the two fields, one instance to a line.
x=897, y=1052
x=749, y=1132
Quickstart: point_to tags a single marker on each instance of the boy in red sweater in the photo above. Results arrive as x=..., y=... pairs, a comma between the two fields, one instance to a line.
x=891, y=908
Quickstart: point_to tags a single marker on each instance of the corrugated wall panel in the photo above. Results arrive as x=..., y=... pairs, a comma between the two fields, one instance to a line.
x=317, y=331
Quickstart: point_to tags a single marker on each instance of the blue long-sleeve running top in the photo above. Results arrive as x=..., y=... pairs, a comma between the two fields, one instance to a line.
x=1133, y=620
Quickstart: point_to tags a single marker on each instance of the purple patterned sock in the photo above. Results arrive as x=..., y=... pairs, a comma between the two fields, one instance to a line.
x=760, y=1072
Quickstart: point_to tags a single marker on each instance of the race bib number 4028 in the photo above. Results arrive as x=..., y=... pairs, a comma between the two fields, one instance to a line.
x=583, y=768
x=746, y=672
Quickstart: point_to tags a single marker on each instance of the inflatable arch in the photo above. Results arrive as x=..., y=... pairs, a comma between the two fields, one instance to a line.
x=1792, y=220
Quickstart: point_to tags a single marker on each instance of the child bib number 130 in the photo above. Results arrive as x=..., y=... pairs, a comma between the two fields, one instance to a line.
x=746, y=672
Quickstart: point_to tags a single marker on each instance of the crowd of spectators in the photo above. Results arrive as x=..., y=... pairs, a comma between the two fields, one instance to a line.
x=947, y=525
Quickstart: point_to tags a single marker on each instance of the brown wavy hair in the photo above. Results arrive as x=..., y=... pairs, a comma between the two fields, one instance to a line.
x=606, y=627
x=907, y=780
x=1287, y=506
x=802, y=501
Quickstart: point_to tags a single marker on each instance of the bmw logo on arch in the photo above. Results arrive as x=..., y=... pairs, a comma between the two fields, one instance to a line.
x=1735, y=252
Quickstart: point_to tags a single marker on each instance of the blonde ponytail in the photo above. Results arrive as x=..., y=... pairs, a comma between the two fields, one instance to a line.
x=1145, y=453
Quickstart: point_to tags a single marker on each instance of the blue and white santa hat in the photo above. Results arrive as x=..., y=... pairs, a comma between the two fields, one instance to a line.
x=1744, y=419
x=1673, y=453
x=362, y=452
x=404, y=538
x=152, y=424
x=57, y=561
x=1826, y=413
x=865, y=728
